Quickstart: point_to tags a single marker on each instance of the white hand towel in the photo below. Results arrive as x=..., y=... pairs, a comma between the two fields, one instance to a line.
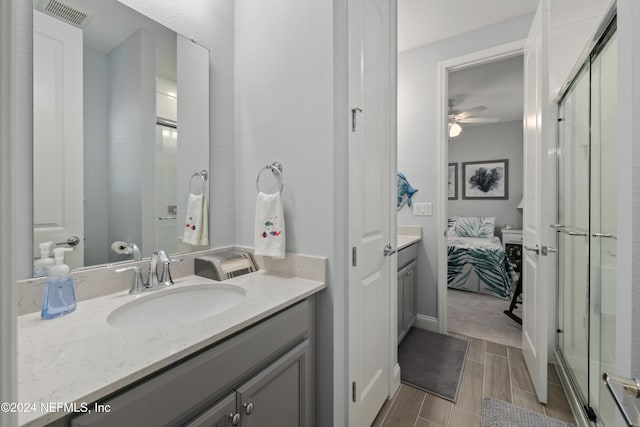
x=196, y=230
x=269, y=226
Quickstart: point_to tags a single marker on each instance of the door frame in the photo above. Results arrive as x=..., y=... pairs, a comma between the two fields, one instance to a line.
x=484, y=56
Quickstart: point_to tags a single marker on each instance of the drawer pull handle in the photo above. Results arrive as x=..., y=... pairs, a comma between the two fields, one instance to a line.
x=248, y=408
x=235, y=419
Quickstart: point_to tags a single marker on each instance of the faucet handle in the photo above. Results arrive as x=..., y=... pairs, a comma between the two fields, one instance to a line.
x=137, y=285
x=166, y=279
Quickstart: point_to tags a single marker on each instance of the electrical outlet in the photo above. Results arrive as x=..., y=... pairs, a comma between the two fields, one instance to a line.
x=422, y=209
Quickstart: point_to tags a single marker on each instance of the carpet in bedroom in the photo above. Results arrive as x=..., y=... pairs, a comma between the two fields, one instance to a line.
x=481, y=316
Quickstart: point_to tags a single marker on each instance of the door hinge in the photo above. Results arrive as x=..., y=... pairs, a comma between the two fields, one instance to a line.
x=354, y=112
x=353, y=391
x=354, y=256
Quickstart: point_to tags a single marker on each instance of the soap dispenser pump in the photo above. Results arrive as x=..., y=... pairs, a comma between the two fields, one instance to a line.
x=59, y=293
x=41, y=266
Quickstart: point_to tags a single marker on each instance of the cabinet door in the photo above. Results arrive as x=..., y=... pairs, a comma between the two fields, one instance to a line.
x=276, y=396
x=400, y=313
x=222, y=414
x=409, y=297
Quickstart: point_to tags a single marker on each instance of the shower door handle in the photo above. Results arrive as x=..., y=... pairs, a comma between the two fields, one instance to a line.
x=603, y=235
x=625, y=393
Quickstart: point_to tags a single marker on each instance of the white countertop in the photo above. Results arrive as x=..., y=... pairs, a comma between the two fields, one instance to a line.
x=408, y=235
x=404, y=241
x=80, y=358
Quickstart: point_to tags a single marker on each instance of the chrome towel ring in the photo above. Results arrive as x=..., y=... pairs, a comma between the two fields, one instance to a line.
x=276, y=169
x=203, y=174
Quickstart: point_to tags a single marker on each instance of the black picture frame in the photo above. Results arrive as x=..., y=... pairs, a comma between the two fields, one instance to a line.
x=485, y=180
x=452, y=181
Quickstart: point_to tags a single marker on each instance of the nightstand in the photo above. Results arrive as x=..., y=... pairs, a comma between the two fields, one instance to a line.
x=512, y=244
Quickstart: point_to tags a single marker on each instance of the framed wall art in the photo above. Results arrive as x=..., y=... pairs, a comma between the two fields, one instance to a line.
x=486, y=180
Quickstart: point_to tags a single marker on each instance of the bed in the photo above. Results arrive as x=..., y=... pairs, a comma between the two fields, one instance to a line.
x=477, y=261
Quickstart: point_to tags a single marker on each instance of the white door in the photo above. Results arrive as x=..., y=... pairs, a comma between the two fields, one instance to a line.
x=57, y=135
x=539, y=204
x=370, y=145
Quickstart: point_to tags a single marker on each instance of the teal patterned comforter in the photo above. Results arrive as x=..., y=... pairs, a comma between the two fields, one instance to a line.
x=480, y=265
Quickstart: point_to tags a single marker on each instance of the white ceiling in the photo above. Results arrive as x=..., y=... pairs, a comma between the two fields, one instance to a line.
x=496, y=85
x=422, y=22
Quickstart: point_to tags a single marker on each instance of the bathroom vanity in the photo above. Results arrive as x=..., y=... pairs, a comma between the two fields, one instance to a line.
x=262, y=376
x=251, y=364
x=408, y=238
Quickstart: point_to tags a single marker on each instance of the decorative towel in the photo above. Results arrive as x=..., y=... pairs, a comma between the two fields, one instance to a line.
x=269, y=226
x=196, y=229
x=405, y=191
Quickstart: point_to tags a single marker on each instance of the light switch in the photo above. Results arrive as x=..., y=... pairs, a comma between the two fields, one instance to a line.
x=423, y=209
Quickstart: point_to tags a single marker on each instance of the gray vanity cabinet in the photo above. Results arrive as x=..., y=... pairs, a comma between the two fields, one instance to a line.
x=406, y=299
x=222, y=414
x=274, y=397
x=406, y=290
x=261, y=376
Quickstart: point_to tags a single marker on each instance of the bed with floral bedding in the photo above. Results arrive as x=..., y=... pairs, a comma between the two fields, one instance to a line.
x=476, y=259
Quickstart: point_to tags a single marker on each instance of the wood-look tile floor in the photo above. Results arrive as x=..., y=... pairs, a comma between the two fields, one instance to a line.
x=491, y=370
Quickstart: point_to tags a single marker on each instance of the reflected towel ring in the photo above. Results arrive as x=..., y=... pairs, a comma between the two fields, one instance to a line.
x=203, y=176
x=275, y=168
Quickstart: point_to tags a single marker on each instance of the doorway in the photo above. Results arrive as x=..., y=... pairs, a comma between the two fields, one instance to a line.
x=484, y=212
x=483, y=57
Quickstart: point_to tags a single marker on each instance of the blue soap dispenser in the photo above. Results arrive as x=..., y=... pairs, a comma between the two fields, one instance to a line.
x=59, y=293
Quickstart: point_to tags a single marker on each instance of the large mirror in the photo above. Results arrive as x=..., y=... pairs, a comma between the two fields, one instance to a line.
x=121, y=132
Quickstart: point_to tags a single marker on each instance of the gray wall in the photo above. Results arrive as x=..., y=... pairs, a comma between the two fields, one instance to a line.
x=96, y=151
x=628, y=286
x=417, y=124
x=284, y=83
x=490, y=142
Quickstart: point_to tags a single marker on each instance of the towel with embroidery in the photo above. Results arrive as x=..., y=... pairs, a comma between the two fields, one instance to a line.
x=269, y=226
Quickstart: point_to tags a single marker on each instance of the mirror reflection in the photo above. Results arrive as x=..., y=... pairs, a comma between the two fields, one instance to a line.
x=121, y=106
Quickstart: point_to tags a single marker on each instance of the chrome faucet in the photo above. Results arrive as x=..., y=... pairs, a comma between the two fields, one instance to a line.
x=139, y=285
x=152, y=283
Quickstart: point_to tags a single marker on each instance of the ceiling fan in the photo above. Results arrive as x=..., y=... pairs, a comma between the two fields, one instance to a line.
x=461, y=117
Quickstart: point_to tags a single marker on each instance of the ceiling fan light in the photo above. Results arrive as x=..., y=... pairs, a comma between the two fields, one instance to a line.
x=454, y=130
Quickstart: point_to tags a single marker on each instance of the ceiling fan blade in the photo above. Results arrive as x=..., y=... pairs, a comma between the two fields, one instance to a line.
x=470, y=112
x=479, y=120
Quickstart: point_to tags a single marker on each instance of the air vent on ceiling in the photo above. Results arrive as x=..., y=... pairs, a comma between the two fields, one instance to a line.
x=65, y=12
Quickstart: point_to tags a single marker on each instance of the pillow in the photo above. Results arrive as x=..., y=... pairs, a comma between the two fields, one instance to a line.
x=473, y=226
x=451, y=226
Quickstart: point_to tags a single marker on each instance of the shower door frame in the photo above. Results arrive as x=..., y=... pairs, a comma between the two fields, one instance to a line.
x=583, y=410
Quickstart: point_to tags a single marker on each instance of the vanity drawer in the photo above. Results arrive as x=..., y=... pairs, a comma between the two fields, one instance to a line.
x=406, y=255
x=176, y=395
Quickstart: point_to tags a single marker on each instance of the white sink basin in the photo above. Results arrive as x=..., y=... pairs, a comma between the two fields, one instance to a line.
x=176, y=306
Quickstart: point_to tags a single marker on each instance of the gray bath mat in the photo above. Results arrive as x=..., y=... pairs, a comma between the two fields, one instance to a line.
x=432, y=362
x=496, y=413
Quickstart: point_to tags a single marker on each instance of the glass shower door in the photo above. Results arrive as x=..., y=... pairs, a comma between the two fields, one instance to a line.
x=603, y=241
x=573, y=228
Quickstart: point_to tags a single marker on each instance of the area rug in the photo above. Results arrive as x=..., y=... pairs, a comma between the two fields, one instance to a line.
x=496, y=413
x=432, y=362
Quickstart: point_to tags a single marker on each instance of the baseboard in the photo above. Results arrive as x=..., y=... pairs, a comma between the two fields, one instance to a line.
x=396, y=381
x=426, y=322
